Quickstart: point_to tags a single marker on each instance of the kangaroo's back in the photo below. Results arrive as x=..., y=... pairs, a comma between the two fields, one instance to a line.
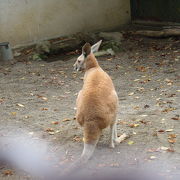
x=97, y=101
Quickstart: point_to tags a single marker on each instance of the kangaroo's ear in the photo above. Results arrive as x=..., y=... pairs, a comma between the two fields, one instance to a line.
x=96, y=46
x=86, y=49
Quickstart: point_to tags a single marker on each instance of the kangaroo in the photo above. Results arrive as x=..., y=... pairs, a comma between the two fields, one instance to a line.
x=97, y=103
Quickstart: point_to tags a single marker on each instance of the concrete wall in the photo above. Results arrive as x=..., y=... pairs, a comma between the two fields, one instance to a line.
x=28, y=21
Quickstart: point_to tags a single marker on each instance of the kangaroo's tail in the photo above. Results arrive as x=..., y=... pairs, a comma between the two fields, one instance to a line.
x=78, y=164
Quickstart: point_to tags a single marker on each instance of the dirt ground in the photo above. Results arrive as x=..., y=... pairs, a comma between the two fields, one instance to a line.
x=37, y=98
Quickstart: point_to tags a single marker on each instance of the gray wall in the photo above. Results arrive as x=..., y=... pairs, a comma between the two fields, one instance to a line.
x=28, y=21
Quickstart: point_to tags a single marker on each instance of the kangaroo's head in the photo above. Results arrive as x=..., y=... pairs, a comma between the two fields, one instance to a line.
x=87, y=49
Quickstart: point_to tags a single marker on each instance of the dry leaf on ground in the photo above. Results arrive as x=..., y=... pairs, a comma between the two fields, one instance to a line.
x=8, y=172
x=55, y=122
x=20, y=105
x=66, y=119
x=131, y=142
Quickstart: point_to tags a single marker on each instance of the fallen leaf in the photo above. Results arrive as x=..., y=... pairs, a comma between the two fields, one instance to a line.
x=136, y=80
x=42, y=97
x=14, y=113
x=45, y=98
x=20, y=105
x=130, y=94
x=62, y=72
x=64, y=120
x=27, y=117
x=77, y=139
x=122, y=137
x=8, y=172
x=159, y=149
x=170, y=150
x=143, y=122
x=109, y=59
x=172, y=140
x=51, y=133
x=161, y=131
x=133, y=125
x=169, y=130
x=141, y=69
x=55, y=122
x=118, y=66
x=140, y=89
x=169, y=82
x=176, y=118
x=168, y=110
x=144, y=115
x=44, y=109
x=131, y=142
x=164, y=148
x=152, y=157
x=50, y=130
x=170, y=136
x=136, y=107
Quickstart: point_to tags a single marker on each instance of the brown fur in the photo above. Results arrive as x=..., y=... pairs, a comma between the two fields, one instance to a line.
x=97, y=101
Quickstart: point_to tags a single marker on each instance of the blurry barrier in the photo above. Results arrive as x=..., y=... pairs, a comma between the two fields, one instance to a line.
x=30, y=155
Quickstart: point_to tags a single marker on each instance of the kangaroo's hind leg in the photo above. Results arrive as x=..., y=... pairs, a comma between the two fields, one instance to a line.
x=113, y=132
x=114, y=139
x=112, y=135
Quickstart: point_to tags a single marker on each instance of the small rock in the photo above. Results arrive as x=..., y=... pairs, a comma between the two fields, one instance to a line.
x=112, y=44
x=116, y=36
x=43, y=47
x=105, y=52
x=36, y=57
x=16, y=54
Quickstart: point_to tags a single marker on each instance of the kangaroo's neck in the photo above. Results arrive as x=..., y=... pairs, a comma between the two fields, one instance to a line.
x=91, y=62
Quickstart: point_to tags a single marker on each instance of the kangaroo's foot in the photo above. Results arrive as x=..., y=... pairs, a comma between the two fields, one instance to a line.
x=121, y=138
x=112, y=145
